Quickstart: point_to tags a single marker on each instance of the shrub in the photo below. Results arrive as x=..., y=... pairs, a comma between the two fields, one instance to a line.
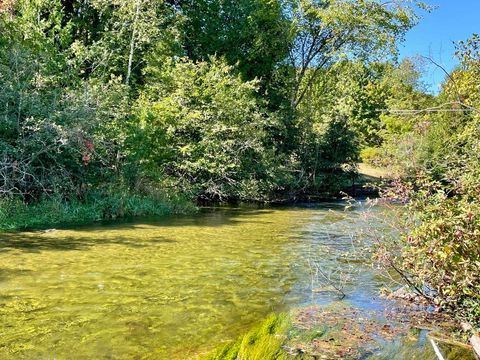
x=440, y=250
x=443, y=251
x=201, y=124
x=370, y=155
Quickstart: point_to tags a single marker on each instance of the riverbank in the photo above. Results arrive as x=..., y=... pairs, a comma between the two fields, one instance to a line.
x=50, y=212
x=120, y=204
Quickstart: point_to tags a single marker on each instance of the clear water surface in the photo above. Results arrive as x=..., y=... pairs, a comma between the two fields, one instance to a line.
x=169, y=288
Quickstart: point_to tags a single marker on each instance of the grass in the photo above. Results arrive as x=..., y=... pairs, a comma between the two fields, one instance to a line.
x=54, y=211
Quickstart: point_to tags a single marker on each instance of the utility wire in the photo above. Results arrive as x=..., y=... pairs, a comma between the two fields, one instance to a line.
x=436, y=109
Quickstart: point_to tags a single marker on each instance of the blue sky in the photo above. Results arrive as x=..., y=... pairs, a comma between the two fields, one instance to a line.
x=453, y=20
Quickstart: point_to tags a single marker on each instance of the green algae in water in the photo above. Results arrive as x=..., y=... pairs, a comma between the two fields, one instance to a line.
x=335, y=331
x=172, y=288
x=262, y=342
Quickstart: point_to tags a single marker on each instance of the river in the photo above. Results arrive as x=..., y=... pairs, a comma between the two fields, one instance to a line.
x=174, y=287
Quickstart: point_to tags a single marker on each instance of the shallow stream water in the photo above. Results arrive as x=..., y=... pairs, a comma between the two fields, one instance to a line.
x=172, y=288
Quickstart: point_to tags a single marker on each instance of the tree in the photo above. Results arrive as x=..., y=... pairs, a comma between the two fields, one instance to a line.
x=51, y=127
x=203, y=126
x=130, y=30
x=325, y=31
x=251, y=34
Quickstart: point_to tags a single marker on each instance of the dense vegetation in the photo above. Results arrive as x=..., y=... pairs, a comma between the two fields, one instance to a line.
x=111, y=108
x=213, y=100
x=436, y=154
x=262, y=342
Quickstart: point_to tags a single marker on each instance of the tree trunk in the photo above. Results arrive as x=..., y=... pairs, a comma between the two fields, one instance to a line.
x=132, y=41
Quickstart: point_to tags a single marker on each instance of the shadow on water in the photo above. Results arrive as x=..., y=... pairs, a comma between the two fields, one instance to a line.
x=35, y=242
x=41, y=239
x=9, y=273
x=38, y=240
x=205, y=217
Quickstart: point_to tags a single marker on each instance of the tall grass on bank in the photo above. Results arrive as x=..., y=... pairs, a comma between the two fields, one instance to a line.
x=53, y=211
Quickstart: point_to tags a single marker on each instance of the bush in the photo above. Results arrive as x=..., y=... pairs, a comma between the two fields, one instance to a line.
x=443, y=250
x=202, y=125
x=440, y=251
x=371, y=155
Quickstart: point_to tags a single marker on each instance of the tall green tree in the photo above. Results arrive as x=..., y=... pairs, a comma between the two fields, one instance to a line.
x=55, y=131
x=325, y=31
x=252, y=34
x=201, y=126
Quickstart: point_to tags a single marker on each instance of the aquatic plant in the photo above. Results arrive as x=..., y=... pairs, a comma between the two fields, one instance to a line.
x=263, y=342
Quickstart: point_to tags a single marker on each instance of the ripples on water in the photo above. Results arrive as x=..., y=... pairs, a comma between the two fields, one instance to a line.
x=169, y=288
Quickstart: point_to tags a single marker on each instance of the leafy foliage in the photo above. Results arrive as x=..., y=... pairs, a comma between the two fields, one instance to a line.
x=203, y=125
x=212, y=99
x=54, y=134
x=439, y=252
x=252, y=34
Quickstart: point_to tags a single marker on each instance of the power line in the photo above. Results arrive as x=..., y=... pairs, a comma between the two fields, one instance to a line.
x=437, y=109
